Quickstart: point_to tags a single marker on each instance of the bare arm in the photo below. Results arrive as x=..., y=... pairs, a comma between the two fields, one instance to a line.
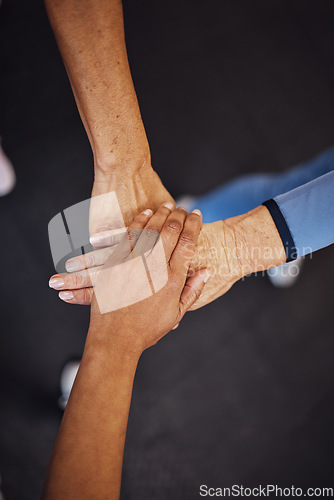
x=230, y=249
x=88, y=453
x=90, y=36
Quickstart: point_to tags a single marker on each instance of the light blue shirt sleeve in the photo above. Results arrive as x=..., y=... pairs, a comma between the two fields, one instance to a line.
x=309, y=213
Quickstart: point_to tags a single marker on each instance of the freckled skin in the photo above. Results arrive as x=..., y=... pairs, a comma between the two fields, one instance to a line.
x=229, y=250
x=91, y=39
x=90, y=36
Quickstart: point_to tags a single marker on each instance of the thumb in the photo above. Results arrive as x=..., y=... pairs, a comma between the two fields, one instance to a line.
x=193, y=289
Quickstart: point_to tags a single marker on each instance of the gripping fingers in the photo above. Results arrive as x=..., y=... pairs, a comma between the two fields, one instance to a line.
x=88, y=260
x=130, y=237
x=184, y=250
x=107, y=238
x=192, y=290
x=86, y=278
x=148, y=238
x=112, y=237
x=72, y=281
x=99, y=257
x=172, y=229
x=82, y=297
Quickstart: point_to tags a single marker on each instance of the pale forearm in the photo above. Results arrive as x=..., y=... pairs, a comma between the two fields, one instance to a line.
x=87, y=458
x=258, y=243
x=236, y=247
x=90, y=35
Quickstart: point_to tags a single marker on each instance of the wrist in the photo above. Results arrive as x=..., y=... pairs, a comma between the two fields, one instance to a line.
x=257, y=241
x=113, y=341
x=111, y=161
x=109, y=167
x=103, y=358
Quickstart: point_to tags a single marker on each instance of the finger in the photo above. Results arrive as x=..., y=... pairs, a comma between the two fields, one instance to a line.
x=129, y=240
x=72, y=281
x=185, y=248
x=88, y=260
x=113, y=236
x=99, y=257
x=88, y=277
x=192, y=290
x=107, y=238
x=172, y=229
x=149, y=237
x=175, y=327
x=81, y=297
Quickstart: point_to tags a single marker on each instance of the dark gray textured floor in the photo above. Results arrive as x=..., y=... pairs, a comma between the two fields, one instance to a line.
x=243, y=392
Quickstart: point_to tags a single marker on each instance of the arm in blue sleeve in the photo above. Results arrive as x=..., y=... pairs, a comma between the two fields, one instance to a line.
x=304, y=216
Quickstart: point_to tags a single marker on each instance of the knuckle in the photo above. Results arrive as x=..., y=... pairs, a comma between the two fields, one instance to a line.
x=149, y=236
x=151, y=232
x=87, y=296
x=174, y=226
x=196, y=294
x=187, y=238
x=77, y=280
x=86, y=260
x=192, y=297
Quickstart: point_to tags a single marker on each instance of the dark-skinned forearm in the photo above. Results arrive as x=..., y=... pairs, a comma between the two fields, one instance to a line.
x=87, y=458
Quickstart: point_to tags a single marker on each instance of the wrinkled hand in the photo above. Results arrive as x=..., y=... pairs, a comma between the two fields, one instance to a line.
x=216, y=252
x=228, y=249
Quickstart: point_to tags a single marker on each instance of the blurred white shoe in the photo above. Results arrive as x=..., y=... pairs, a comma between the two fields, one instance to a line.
x=7, y=174
x=285, y=275
x=67, y=378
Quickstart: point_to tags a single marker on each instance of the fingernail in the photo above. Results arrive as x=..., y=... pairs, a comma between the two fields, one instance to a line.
x=72, y=266
x=196, y=211
x=65, y=295
x=169, y=205
x=107, y=236
x=56, y=282
x=207, y=277
x=182, y=208
x=148, y=211
x=96, y=238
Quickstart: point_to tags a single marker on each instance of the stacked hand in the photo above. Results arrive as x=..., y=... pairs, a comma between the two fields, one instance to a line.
x=215, y=252
x=228, y=249
x=141, y=324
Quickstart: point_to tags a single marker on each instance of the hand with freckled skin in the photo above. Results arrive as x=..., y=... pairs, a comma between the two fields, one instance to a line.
x=134, y=192
x=90, y=36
